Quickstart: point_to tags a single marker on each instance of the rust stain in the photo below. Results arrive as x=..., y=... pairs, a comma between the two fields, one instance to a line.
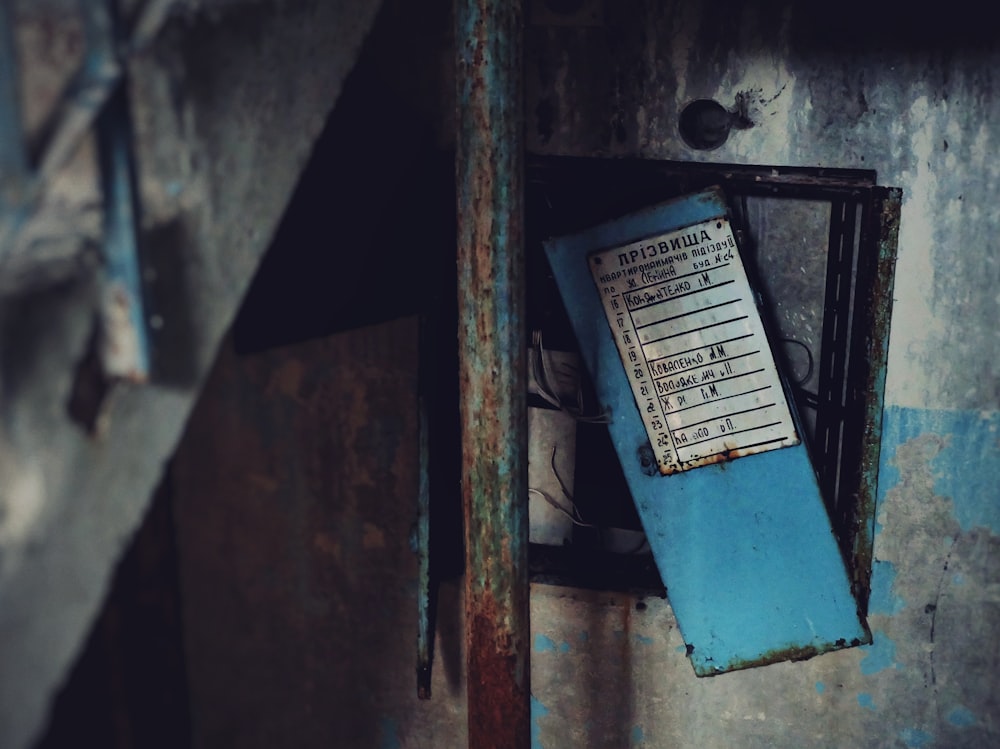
x=498, y=680
x=719, y=459
x=791, y=653
x=287, y=380
x=324, y=543
x=492, y=371
x=372, y=537
x=879, y=308
x=263, y=482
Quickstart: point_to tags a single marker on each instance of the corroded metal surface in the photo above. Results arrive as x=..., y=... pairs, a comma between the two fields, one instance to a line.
x=884, y=223
x=294, y=502
x=491, y=370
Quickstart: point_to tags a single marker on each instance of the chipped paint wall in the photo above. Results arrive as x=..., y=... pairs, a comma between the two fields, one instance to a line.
x=907, y=94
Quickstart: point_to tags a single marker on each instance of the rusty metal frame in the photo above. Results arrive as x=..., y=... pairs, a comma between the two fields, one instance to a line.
x=491, y=338
x=876, y=272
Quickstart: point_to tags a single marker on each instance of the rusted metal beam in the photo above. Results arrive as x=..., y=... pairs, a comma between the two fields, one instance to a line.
x=878, y=276
x=491, y=339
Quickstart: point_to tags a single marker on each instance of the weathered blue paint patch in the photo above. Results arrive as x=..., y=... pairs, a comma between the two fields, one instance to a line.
x=883, y=599
x=865, y=700
x=643, y=640
x=538, y=710
x=967, y=470
x=544, y=644
x=958, y=579
x=388, y=734
x=880, y=655
x=962, y=717
x=820, y=687
x=914, y=738
x=638, y=736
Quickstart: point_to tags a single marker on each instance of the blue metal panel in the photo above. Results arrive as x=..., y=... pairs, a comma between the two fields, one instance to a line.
x=745, y=547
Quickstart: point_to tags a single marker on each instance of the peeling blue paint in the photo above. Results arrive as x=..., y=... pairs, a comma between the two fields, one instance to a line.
x=389, y=738
x=967, y=470
x=538, y=710
x=962, y=717
x=880, y=655
x=544, y=644
x=883, y=599
x=820, y=687
x=865, y=700
x=643, y=640
x=914, y=738
x=958, y=579
x=638, y=737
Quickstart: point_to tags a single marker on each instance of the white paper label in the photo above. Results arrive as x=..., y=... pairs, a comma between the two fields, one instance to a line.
x=690, y=337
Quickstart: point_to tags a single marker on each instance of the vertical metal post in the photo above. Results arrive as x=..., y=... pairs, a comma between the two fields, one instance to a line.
x=491, y=300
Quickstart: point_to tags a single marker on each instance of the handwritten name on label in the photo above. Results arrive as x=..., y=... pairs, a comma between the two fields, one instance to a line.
x=693, y=346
